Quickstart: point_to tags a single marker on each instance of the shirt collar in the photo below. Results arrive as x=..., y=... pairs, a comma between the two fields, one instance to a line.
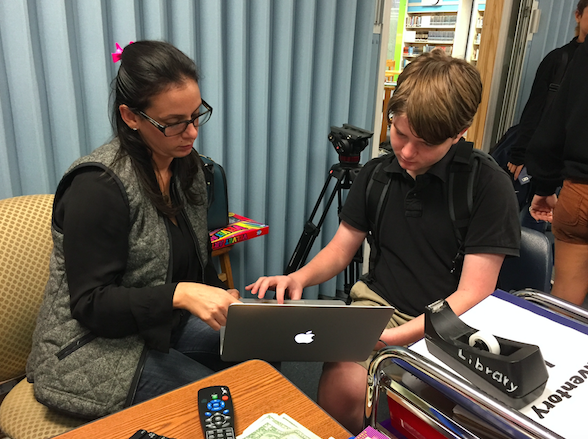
x=440, y=169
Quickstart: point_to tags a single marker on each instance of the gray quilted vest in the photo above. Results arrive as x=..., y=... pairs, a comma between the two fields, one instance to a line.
x=73, y=370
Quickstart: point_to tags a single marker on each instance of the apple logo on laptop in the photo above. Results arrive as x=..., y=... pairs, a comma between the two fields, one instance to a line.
x=304, y=337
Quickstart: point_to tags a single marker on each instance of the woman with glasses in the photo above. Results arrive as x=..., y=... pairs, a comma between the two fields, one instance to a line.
x=133, y=304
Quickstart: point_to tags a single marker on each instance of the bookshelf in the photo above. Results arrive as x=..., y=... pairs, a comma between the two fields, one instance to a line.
x=442, y=26
x=475, y=34
x=239, y=229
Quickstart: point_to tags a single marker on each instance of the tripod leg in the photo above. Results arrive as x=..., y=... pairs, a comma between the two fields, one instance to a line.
x=344, y=177
x=311, y=231
x=352, y=273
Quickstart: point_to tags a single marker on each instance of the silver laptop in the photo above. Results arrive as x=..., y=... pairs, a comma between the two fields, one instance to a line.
x=302, y=330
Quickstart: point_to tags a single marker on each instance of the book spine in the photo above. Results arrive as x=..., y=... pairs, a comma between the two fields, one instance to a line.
x=223, y=240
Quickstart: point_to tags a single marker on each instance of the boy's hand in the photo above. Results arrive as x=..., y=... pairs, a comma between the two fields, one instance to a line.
x=279, y=284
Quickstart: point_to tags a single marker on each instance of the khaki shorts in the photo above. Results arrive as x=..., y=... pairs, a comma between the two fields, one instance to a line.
x=361, y=295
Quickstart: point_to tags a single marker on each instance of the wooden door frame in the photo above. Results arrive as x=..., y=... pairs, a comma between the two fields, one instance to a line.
x=490, y=51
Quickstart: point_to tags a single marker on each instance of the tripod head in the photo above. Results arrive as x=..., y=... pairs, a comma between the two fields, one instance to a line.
x=349, y=141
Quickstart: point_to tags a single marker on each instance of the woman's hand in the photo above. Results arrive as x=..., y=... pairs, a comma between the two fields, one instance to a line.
x=279, y=284
x=235, y=293
x=210, y=304
x=542, y=207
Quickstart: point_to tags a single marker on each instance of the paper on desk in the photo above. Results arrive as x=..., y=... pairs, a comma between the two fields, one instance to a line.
x=564, y=349
x=274, y=426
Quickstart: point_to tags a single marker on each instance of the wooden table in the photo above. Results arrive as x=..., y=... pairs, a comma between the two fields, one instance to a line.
x=256, y=388
x=388, y=89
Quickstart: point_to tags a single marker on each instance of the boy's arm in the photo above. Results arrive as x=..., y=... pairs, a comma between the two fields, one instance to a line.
x=329, y=262
x=478, y=281
x=333, y=259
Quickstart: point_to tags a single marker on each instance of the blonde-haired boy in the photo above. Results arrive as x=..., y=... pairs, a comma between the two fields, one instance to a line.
x=419, y=256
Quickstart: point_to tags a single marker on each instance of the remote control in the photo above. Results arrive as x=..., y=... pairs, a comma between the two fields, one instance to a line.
x=215, y=406
x=144, y=434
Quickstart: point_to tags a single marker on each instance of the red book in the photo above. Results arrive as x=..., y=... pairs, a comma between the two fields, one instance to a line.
x=239, y=229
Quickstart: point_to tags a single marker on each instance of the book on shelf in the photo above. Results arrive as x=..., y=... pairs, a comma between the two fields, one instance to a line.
x=239, y=229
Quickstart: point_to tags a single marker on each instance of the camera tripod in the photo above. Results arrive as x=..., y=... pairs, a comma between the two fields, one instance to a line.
x=344, y=174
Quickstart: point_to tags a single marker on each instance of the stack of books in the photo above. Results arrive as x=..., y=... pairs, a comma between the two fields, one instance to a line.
x=239, y=229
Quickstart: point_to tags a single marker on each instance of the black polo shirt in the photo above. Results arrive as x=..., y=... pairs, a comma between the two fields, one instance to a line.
x=417, y=239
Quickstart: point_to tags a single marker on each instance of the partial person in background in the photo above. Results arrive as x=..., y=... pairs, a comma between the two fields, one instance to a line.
x=133, y=304
x=558, y=153
x=547, y=80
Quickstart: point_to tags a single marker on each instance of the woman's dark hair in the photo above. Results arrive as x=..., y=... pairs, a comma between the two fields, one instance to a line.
x=148, y=68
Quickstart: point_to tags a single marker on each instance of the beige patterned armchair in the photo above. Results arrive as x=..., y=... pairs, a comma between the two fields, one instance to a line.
x=25, y=246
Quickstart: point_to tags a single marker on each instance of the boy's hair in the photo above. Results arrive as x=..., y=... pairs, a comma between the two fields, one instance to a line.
x=438, y=94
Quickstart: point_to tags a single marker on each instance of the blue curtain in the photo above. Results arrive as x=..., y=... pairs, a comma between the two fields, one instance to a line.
x=278, y=74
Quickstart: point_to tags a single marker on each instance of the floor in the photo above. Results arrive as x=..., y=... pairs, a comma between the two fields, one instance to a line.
x=305, y=376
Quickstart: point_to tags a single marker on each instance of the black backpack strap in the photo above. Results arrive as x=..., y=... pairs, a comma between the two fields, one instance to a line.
x=460, y=189
x=460, y=193
x=376, y=191
x=559, y=74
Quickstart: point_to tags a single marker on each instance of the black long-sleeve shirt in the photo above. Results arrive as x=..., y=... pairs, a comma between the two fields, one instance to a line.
x=559, y=148
x=547, y=73
x=95, y=222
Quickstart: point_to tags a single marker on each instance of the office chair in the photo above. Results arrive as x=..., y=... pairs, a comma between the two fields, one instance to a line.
x=25, y=247
x=532, y=269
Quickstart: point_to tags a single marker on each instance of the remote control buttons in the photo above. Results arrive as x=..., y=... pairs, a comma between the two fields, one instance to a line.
x=215, y=405
x=218, y=421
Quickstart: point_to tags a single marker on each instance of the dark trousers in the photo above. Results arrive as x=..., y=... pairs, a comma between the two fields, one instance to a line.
x=194, y=356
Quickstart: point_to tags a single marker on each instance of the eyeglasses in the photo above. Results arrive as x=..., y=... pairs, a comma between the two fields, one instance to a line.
x=203, y=116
